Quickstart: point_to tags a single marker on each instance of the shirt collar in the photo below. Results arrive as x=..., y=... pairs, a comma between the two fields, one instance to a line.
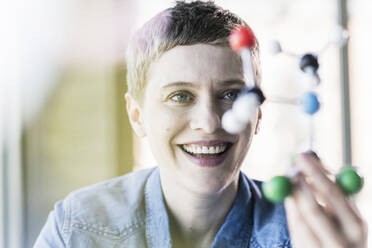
x=235, y=232
x=237, y=228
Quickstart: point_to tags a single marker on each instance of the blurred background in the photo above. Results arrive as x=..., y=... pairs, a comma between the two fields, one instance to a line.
x=63, y=123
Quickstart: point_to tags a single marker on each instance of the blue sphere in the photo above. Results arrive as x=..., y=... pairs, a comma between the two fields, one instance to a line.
x=310, y=103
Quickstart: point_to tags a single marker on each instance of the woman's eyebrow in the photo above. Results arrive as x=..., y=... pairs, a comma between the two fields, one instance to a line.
x=223, y=83
x=229, y=82
x=179, y=84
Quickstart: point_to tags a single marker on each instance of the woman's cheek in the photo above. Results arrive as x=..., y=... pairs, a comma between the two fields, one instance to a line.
x=174, y=118
x=166, y=123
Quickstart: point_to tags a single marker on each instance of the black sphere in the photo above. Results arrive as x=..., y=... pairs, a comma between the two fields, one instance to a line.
x=309, y=61
x=255, y=90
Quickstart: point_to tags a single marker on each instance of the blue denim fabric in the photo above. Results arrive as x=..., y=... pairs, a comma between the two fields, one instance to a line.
x=129, y=211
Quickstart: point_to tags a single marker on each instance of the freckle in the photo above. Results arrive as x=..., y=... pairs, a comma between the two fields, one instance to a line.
x=167, y=129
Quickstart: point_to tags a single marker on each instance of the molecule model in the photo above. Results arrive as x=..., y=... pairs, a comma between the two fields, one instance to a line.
x=245, y=107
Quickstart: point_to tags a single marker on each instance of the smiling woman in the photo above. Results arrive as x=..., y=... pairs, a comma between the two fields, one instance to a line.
x=182, y=78
x=189, y=114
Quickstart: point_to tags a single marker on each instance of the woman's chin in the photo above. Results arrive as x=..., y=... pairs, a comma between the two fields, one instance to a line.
x=207, y=186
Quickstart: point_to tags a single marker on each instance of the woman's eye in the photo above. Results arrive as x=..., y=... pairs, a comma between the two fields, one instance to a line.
x=181, y=97
x=231, y=95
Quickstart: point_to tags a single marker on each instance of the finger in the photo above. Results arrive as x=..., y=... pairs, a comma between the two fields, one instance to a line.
x=301, y=234
x=350, y=221
x=320, y=223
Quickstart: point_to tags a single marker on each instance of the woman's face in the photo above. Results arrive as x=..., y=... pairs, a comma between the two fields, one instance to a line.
x=188, y=90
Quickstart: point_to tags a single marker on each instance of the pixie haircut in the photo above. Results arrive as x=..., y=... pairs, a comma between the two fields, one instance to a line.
x=187, y=23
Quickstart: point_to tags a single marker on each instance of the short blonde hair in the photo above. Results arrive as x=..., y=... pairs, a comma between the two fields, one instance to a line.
x=184, y=24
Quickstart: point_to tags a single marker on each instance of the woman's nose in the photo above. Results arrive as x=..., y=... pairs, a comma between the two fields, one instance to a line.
x=205, y=118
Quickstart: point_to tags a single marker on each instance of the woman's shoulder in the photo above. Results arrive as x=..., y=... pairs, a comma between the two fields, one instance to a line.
x=101, y=215
x=126, y=184
x=112, y=204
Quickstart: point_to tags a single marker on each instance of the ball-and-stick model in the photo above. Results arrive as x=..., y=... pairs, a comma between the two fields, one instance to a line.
x=242, y=40
x=245, y=107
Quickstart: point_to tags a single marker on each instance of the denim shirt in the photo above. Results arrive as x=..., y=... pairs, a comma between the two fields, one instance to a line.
x=129, y=211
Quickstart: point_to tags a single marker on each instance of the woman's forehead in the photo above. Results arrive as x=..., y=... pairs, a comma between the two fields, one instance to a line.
x=195, y=63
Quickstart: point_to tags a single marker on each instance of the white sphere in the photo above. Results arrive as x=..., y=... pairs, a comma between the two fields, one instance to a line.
x=231, y=124
x=245, y=107
x=338, y=36
x=275, y=47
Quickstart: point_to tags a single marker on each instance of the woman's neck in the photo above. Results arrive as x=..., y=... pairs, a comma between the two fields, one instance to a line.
x=195, y=218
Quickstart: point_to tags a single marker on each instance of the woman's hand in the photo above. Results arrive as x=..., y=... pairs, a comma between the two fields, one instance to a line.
x=318, y=213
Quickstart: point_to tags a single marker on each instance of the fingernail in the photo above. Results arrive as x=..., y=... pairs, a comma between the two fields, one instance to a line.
x=313, y=154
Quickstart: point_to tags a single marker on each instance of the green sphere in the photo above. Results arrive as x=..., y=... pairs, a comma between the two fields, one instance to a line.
x=277, y=188
x=350, y=181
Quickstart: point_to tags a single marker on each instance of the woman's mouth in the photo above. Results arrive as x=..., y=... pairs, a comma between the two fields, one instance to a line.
x=206, y=155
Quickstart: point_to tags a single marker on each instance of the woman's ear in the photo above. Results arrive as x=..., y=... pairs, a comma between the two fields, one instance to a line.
x=257, y=129
x=135, y=116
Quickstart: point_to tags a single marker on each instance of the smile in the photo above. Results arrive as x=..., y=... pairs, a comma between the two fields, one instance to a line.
x=198, y=150
x=206, y=155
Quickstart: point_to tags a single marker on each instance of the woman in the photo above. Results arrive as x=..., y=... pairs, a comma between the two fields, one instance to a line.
x=182, y=77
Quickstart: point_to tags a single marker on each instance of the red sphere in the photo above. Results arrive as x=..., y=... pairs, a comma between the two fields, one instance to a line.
x=242, y=37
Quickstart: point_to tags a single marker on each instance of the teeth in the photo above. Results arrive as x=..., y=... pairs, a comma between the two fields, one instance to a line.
x=217, y=149
x=195, y=149
x=199, y=149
